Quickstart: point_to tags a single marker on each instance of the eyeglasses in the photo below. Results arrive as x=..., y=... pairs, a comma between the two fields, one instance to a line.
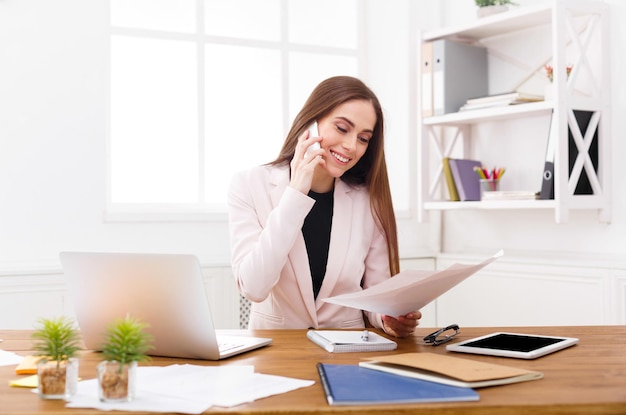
x=442, y=335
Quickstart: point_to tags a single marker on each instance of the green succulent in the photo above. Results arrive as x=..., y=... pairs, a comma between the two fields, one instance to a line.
x=56, y=338
x=485, y=3
x=126, y=341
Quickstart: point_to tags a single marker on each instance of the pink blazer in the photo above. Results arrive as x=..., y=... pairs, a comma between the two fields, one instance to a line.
x=270, y=261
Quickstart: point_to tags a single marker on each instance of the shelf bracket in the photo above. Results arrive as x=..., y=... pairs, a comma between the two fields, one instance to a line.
x=437, y=140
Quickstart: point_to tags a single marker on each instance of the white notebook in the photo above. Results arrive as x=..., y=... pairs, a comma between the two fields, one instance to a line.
x=341, y=341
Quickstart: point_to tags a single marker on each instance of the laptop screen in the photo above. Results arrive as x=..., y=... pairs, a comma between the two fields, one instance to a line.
x=166, y=291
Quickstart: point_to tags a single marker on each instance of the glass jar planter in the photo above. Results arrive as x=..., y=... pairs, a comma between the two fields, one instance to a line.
x=116, y=382
x=57, y=379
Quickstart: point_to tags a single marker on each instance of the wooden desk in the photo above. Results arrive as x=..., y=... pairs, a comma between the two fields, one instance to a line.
x=589, y=378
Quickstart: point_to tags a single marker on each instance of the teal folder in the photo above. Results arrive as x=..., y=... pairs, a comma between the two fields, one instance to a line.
x=355, y=385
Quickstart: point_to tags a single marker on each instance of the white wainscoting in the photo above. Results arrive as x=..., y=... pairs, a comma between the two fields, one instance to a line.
x=27, y=295
x=508, y=292
x=429, y=313
x=619, y=276
x=536, y=292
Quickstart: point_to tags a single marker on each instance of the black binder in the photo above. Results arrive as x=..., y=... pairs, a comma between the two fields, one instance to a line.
x=547, y=179
x=583, y=186
x=547, y=182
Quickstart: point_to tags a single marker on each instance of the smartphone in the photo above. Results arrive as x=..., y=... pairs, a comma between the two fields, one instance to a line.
x=313, y=132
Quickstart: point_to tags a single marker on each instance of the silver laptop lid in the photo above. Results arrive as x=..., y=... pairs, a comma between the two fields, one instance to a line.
x=164, y=290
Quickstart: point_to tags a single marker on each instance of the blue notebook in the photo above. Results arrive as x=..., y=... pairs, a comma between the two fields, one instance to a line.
x=355, y=385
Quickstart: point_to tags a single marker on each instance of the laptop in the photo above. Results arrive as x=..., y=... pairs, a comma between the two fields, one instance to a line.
x=165, y=291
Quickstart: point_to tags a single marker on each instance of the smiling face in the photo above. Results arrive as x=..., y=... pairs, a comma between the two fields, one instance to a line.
x=346, y=133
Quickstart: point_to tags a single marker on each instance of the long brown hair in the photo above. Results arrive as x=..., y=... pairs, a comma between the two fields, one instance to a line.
x=371, y=169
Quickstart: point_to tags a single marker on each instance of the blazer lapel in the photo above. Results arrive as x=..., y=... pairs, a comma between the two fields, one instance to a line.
x=279, y=180
x=298, y=257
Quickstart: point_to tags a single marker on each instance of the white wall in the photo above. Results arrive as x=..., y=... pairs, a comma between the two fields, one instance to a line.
x=392, y=74
x=53, y=131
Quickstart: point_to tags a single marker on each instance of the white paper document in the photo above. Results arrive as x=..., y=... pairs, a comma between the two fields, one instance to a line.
x=408, y=290
x=190, y=389
x=10, y=358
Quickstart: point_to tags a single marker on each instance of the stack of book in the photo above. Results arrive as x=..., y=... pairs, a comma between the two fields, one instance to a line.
x=510, y=195
x=509, y=98
x=462, y=181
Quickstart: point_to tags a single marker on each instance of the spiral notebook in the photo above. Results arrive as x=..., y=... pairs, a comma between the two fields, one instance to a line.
x=341, y=341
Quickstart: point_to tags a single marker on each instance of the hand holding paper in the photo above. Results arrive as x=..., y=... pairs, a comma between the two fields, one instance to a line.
x=409, y=290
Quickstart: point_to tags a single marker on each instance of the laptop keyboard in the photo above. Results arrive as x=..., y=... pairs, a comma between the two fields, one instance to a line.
x=226, y=346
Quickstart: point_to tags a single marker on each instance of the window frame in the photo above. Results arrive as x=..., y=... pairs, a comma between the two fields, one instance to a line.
x=202, y=211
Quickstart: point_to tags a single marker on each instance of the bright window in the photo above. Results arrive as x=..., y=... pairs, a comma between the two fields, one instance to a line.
x=200, y=89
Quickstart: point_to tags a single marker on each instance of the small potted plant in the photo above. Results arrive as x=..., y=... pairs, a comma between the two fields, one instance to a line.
x=126, y=343
x=488, y=7
x=549, y=91
x=57, y=342
x=550, y=71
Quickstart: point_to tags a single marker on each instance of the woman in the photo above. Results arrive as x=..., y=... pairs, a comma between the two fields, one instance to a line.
x=308, y=226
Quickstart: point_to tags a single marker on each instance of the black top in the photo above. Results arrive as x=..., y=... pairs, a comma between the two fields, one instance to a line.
x=316, y=232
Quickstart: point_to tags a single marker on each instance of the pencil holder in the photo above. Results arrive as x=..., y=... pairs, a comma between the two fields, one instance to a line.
x=488, y=185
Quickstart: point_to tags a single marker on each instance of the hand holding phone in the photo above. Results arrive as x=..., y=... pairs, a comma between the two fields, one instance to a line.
x=313, y=133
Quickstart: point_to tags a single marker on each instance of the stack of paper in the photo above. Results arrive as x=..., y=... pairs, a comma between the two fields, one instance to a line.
x=509, y=195
x=509, y=98
x=190, y=389
x=9, y=358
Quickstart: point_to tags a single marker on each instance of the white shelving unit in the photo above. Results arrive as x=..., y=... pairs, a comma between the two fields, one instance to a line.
x=578, y=25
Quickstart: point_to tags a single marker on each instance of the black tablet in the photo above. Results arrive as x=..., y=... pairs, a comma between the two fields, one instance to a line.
x=521, y=346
